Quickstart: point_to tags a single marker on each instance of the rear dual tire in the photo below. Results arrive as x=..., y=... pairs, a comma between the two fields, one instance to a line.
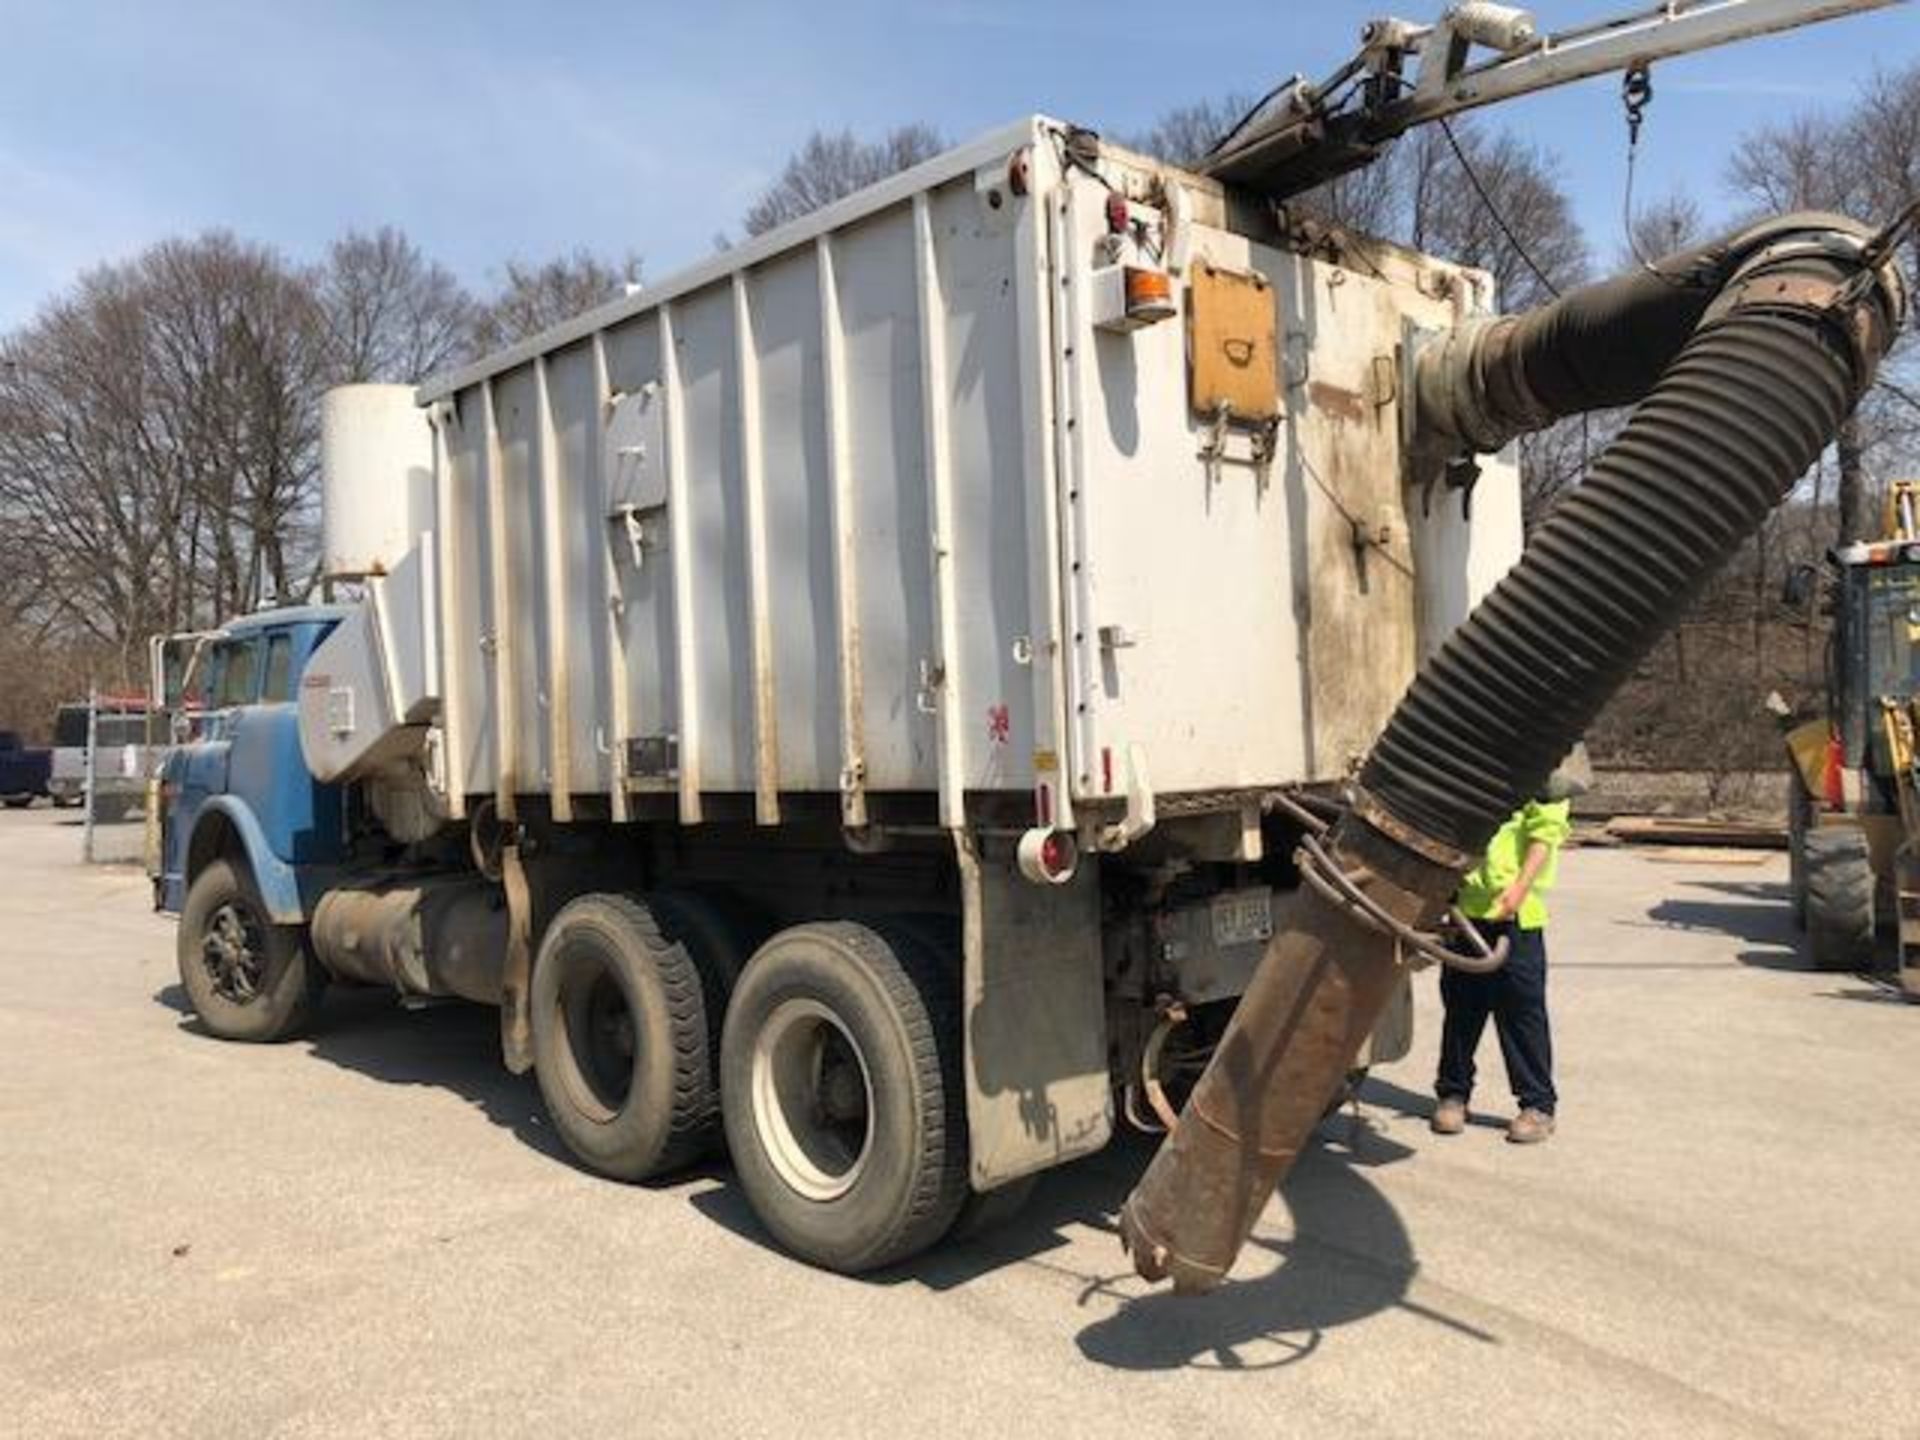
x=842, y=1093
x=626, y=1006
x=835, y=1079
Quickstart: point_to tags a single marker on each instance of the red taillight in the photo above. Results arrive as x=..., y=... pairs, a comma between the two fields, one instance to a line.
x=1048, y=857
x=1057, y=854
x=1118, y=214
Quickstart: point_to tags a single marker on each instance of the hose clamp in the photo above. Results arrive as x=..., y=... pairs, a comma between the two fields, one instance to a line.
x=1434, y=852
x=1771, y=279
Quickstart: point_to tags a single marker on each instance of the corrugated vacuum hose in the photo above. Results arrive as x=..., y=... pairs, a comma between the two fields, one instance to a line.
x=1745, y=355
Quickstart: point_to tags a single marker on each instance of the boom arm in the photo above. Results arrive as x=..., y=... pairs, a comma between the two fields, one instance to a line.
x=1305, y=134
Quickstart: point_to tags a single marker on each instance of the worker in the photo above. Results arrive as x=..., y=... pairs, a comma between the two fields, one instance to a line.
x=1504, y=898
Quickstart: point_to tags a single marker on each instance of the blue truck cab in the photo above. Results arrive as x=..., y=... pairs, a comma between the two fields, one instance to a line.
x=238, y=788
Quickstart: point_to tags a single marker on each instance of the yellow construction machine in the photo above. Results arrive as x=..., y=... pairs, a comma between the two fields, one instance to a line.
x=1854, y=810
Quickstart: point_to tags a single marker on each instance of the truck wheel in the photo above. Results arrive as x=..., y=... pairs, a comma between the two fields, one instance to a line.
x=1840, y=885
x=720, y=933
x=841, y=1087
x=621, y=1040
x=246, y=977
x=1799, y=826
x=17, y=802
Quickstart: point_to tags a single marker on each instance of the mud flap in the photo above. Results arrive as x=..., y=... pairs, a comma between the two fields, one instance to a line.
x=1038, y=1092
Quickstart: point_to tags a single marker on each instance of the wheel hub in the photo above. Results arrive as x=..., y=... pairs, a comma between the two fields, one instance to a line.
x=234, y=952
x=812, y=1099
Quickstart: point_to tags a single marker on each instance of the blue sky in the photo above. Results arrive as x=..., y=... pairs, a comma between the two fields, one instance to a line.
x=491, y=130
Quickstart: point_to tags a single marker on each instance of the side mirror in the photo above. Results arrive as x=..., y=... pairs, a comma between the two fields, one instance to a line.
x=1797, y=589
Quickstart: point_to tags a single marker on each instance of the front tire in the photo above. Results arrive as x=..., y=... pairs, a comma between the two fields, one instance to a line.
x=247, y=978
x=842, y=1094
x=622, y=1041
x=1840, y=886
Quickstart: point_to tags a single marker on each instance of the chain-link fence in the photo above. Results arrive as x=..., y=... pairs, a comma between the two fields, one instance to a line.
x=106, y=755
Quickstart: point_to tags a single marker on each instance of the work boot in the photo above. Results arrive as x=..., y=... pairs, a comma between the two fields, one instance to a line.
x=1449, y=1116
x=1530, y=1127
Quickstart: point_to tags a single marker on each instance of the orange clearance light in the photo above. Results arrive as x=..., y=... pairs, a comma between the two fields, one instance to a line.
x=1149, y=295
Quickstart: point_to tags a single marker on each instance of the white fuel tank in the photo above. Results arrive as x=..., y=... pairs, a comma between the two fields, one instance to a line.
x=376, y=478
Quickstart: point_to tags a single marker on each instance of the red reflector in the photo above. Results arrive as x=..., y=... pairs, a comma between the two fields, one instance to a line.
x=1055, y=854
x=1118, y=215
x=1831, y=777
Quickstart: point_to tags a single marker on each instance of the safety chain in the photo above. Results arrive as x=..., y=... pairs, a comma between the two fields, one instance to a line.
x=1319, y=869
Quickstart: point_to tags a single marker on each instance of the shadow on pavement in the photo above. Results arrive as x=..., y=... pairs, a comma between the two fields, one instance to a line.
x=453, y=1047
x=1873, y=989
x=1760, y=923
x=1768, y=892
x=1349, y=1256
x=1417, y=1105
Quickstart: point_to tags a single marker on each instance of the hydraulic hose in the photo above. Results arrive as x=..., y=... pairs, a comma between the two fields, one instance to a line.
x=1749, y=354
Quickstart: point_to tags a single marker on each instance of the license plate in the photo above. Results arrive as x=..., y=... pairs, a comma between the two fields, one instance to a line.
x=1243, y=918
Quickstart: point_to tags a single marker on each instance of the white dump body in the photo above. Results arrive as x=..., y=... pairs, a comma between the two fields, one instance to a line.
x=871, y=506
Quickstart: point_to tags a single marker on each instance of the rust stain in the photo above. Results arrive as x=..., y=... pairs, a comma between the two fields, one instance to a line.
x=1339, y=403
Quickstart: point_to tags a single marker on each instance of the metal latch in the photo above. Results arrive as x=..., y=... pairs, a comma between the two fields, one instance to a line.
x=1263, y=443
x=933, y=674
x=640, y=526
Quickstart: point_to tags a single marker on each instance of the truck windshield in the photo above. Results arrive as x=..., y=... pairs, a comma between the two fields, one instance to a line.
x=238, y=676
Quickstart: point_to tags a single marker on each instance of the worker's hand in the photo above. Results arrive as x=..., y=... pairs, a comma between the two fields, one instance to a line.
x=1509, y=903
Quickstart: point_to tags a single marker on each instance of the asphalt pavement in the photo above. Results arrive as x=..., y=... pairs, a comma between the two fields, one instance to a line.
x=374, y=1231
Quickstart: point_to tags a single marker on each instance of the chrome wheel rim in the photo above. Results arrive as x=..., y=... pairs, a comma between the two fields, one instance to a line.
x=812, y=1100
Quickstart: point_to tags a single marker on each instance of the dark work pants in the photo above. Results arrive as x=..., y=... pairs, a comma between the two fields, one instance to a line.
x=1515, y=996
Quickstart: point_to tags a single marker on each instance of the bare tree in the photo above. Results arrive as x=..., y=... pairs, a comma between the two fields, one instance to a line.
x=391, y=313
x=1493, y=203
x=157, y=439
x=830, y=167
x=1184, y=135
x=1865, y=161
x=535, y=297
x=1669, y=224
x=1367, y=200
x=1802, y=163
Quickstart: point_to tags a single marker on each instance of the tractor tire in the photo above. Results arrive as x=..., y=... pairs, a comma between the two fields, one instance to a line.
x=841, y=1084
x=622, y=1040
x=247, y=978
x=1799, y=826
x=1840, y=895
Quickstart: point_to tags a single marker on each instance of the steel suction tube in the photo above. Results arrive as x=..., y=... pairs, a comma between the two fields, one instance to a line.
x=1746, y=356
